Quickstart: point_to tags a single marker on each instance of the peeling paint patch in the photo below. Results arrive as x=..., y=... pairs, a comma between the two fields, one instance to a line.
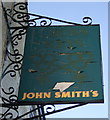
x=80, y=72
x=71, y=48
x=32, y=71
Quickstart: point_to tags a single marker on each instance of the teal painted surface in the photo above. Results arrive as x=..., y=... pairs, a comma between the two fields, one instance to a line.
x=62, y=54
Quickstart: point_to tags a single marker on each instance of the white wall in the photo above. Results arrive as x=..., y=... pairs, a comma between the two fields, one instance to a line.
x=9, y=81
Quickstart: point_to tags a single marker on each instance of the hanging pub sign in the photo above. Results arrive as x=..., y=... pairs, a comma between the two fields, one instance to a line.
x=62, y=64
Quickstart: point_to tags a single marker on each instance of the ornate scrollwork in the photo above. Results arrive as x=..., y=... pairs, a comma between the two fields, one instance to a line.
x=29, y=19
x=20, y=20
x=12, y=99
x=15, y=65
x=17, y=35
x=18, y=15
x=13, y=59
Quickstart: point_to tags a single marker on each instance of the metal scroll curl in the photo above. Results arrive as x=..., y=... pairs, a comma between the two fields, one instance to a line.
x=10, y=110
x=46, y=22
x=49, y=108
x=15, y=63
x=17, y=36
x=87, y=20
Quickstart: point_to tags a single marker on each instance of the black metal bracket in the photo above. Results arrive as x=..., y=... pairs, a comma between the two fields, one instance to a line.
x=20, y=20
x=42, y=113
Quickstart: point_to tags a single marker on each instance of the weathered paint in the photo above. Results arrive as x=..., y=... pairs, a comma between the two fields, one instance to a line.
x=57, y=54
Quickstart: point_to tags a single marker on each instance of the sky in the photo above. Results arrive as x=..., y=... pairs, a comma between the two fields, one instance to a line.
x=74, y=12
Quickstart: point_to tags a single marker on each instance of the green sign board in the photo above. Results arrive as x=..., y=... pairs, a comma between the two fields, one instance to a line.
x=62, y=64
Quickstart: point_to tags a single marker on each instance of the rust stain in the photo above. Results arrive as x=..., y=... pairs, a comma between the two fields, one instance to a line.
x=66, y=53
x=84, y=52
x=63, y=53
